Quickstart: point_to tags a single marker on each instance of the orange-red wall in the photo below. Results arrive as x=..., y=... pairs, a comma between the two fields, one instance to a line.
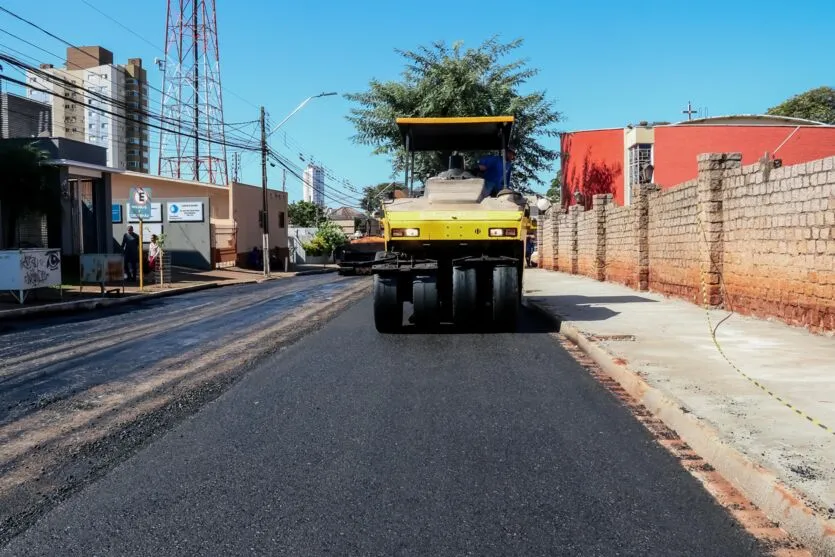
x=676, y=147
x=593, y=163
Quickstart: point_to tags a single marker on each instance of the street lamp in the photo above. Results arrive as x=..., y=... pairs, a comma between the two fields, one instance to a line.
x=264, y=155
x=304, y=102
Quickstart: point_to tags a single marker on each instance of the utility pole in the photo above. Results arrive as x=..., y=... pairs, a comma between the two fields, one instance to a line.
x=265, y=221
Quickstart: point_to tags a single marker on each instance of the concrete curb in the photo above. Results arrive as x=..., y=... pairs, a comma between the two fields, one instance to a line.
x=80, y=306
x=779, y=502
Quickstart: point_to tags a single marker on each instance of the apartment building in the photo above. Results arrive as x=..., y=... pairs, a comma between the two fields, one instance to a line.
x=98, y=102
x=314, y=184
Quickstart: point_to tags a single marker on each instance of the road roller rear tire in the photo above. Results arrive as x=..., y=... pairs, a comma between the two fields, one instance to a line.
x=464, y=296
x=505, y=298
x=425, y=301
x=388, y=309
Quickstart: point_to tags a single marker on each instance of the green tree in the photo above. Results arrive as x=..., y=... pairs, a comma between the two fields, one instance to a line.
x=327, y=239
x=24, y=189
x=373, y=196
x=306, y=214
x=443, y=81
x=554, y=193
x=815, y=104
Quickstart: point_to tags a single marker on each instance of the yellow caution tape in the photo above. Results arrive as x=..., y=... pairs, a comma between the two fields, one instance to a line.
x=753, y=381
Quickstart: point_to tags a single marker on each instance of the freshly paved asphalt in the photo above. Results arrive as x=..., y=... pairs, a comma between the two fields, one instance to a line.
x=354, y=443
x=48, y=359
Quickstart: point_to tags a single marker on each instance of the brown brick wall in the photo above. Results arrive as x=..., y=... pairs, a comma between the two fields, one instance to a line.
x=779, y=243
x=673, y=242
x=586, y=243
x=757, y=241
x=565, y=242
x=621, y=245
x=545, y=243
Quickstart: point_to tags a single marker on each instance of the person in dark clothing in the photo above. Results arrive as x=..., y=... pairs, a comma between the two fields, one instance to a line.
x=130, y=248
x=491, y=169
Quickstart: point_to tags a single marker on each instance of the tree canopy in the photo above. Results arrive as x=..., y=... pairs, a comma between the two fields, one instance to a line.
x=372, y=196
x=306, y=214
x=328, y=237
x=815, y=104
x=443, y=81
x=554, y=193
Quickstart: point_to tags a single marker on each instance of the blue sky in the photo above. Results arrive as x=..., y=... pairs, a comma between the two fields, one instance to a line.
x=605, y=63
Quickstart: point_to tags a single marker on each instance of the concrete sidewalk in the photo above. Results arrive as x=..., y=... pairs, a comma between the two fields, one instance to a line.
x=77, y=299
x=748, y=413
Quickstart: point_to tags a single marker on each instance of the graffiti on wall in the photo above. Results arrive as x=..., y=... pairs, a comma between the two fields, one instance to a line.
x=40, y=268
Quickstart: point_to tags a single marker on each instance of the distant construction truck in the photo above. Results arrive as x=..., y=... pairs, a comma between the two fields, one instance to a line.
x=353, y=258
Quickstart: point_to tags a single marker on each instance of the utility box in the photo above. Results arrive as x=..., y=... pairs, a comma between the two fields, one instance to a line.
x=24, y=270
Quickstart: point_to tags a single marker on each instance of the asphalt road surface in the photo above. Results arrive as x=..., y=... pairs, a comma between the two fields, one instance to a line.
x=49, y=359
x=354, y=443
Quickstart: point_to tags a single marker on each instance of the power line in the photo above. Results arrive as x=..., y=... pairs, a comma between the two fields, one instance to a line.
x=74, y=47
x=111, y=101
x=342, y=199
x=156, y=46
x=115, y=103
x=124, y=105
x=287, y=163
x=114, y=114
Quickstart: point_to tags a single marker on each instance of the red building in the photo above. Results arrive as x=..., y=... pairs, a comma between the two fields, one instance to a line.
x=614, y=160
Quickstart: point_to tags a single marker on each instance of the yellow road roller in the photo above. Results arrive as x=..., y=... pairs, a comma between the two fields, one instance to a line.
x=455, y=251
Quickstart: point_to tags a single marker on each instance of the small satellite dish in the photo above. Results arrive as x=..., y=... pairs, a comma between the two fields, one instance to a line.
x=543, y=204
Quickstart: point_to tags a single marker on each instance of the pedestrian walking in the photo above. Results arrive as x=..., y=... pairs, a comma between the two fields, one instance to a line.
x=130, y=249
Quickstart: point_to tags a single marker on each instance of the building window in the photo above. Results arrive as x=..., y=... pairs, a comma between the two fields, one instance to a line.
x=281, y=223
x=640, y=156
x=133, y=164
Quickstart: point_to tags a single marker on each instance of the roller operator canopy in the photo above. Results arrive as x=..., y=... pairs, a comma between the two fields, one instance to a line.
x=483, y=133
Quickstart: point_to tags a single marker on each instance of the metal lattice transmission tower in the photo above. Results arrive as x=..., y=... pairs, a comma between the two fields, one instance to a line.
x=192, y=101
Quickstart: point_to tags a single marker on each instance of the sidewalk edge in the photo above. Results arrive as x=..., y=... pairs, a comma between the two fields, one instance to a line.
x=778, y=501
x=93, y=304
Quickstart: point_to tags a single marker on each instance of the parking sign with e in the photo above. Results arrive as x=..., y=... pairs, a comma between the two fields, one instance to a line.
x=139, y=204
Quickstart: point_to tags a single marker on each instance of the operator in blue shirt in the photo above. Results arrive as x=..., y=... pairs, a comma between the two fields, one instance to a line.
x=491, y=169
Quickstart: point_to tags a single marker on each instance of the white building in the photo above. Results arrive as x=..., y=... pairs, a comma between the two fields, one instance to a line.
x=90, y=103
x=103, y=129
x=314, y=185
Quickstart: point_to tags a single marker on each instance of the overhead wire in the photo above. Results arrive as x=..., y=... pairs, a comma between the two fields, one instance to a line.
x=124, y=105
x=342, y=199
x=147, y=113
x=329, y=172
x=70, y=45
x=48, y=76
x=122, y=25
x=126, y=118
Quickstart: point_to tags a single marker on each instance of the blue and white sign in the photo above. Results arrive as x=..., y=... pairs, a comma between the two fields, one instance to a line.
x=139, y=203
x=156, y=214
x=116, y=213
x=185, y=211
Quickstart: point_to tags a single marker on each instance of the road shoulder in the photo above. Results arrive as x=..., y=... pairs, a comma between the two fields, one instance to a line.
x=92, y=304
x=639, y=346
x=55, y=452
